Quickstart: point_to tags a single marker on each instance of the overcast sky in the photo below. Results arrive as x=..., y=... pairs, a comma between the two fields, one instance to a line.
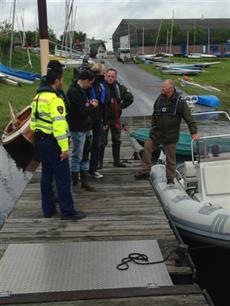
x=100, y=18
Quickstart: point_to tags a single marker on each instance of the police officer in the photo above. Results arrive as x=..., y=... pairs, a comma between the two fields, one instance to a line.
x=117, y=97
x=51, y=140
x=169, y=109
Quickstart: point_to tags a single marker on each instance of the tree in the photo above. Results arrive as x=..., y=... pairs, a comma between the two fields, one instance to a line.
x=5, y=30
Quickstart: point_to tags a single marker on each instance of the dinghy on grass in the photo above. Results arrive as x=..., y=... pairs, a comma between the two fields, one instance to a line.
x=19, y=75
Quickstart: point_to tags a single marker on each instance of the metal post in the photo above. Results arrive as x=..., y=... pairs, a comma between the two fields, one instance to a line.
x=43, y=33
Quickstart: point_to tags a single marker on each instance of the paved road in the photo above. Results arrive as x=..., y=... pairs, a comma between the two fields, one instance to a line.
x=144, y=86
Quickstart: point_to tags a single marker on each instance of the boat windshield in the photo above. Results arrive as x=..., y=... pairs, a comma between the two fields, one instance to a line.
x=214, y=131
x=211, y=148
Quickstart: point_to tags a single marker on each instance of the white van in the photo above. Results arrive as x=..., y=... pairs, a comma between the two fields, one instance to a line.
x=124, y=55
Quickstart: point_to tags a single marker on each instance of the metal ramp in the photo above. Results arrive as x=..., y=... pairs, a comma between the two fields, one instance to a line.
x=38, y=268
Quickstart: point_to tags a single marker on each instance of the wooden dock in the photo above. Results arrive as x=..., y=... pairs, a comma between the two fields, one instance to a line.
x=121, y=209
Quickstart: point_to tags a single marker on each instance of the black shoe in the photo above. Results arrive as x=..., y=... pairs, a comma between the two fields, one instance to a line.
x=77, y=216
x=100, y=165
x=142, y=176
x=54, y=212
x=48, y=215
x=89, y=188
x=84, y=182
x=119, y=165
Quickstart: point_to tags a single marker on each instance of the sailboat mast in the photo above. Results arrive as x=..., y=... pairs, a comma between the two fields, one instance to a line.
x=187, y=42
x=167, y=41
x=12, y=35
x=43, y=33
x=158, y=34
x=171, y=34
x=208, y=40
x=143, y=40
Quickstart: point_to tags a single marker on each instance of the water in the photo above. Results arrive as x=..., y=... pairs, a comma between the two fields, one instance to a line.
x=213, y=270
x=13, y=179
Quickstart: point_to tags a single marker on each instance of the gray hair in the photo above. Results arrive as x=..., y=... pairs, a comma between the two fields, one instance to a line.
x=170, y=82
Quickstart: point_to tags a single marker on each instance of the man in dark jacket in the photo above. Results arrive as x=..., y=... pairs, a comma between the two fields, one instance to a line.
x=168, y=111
x=118, y=97
x=80, y=125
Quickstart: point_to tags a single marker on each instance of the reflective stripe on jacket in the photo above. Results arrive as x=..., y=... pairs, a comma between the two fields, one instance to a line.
x=48, y=116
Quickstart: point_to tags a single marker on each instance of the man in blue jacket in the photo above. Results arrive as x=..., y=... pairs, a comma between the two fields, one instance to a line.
x=97, y=91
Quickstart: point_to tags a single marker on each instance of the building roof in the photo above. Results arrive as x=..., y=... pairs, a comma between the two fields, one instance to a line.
x=150, y=24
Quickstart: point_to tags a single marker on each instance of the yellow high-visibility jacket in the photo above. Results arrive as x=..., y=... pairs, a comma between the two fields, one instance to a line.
x=49, y=116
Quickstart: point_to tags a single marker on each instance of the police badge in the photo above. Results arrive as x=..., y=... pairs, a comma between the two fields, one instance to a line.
x=60, y=109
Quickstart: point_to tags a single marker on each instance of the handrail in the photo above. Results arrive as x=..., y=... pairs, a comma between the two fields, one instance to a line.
x=205, y=137
x=212, y=112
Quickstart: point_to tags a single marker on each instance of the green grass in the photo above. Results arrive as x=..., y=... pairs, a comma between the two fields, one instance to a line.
x=216, y=75
x=23, y=95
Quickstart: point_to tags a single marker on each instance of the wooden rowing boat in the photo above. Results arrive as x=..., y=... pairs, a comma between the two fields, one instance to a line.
x=18, y=129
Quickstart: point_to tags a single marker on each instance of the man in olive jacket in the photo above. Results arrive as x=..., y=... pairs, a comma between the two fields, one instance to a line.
x=168, y=111
x=118, y=97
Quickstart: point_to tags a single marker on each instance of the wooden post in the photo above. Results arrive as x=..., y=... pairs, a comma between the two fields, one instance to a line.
x=43, y=34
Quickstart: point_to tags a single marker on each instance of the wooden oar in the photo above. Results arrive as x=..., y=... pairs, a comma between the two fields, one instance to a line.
x=15, y=121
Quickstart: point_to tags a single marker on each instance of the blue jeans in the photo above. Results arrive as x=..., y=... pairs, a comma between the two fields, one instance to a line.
x=78, y=142
x=53, y=167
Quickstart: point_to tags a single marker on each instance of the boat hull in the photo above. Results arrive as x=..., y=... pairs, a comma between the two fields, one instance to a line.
x=202, y=221
x=14, y=135
x=183, y=146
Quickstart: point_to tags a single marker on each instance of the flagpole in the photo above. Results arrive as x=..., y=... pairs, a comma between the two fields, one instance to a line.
x=43, y=35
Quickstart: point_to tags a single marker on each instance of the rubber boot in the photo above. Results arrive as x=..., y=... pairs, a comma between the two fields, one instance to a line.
x=75, y=181
x=116, y=156
x=101, y=157
x=85, y=182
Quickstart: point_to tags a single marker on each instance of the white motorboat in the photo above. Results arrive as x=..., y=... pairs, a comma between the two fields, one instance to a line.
x=199, y=200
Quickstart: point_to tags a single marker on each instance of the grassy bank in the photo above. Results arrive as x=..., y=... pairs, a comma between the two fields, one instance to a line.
x=23, y=95
x=216, y=75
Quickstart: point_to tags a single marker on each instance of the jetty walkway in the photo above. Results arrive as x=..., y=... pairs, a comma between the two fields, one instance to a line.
x=44, y=260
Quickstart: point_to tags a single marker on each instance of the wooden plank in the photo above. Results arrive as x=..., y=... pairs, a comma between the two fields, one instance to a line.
x=121, y=209
x=100, y=294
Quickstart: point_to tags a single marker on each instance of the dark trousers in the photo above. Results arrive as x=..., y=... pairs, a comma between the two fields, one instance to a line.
x=53, y=167
x=116, y=140
x=115, y=133
x=95, y=145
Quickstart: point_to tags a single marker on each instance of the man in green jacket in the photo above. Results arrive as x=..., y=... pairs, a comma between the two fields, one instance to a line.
x=168, y=111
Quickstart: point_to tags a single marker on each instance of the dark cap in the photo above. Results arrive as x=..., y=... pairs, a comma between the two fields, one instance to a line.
x=55, y=66
x=86, y=75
